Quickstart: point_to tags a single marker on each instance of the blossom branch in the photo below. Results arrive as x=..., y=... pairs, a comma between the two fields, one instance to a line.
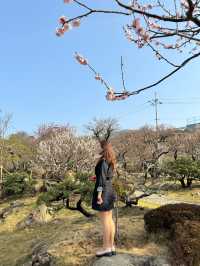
x=180, y=25
x=151, y=15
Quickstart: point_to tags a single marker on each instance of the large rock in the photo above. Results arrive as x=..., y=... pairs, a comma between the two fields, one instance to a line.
x=40, y=256
x=130, y=260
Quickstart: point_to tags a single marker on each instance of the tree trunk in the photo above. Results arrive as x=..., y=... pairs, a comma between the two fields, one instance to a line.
x=134, y=201
x=182, y=182
x=175, y=154
x=189, y=182
x=82, y=210
x=193, y=157
x=77, y=208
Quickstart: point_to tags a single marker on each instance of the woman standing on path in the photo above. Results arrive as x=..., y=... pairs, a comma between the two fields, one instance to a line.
x=104, y=197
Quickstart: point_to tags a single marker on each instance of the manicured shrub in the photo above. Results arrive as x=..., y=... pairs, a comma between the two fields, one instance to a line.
x=18, y=183
x=185, y=246
x=165, y=217
x=79, y=184
x=182, y=222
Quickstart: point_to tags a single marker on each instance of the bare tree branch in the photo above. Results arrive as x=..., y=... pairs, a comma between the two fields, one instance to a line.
x=167, y=76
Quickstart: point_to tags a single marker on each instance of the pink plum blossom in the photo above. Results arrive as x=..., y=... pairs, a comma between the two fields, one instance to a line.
x=62, y=20
x=184, y=3
x=123, y=96
x=136, y=23
x=76, y=23
x=154, y=25
x=168, y=46
x=81, y=59
x=68, y=1
x=60, y=32
x=66, y=27
x=110, y=96
x=97, y=77
x=146, y=37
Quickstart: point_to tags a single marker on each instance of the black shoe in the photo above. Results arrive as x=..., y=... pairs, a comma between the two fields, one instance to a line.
x=114, y=252
x=105, y=253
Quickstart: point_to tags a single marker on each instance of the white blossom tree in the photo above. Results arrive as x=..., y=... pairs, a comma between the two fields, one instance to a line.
x=60, y=150
x=5, y=120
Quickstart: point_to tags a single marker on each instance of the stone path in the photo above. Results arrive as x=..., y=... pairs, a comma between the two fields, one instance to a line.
x=163, y=199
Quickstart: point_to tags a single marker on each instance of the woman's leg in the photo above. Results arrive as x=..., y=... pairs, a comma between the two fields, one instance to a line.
x=105, y=220
x=112, y=229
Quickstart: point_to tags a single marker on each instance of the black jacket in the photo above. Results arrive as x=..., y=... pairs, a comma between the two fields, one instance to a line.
x=103, y=172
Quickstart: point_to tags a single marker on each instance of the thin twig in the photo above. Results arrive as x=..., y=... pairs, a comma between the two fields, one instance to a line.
x=123, y=82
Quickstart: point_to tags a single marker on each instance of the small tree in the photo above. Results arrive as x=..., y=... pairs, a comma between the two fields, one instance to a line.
x=103, y=129
x=184, y=169
x=21, y=152
x=73, y=191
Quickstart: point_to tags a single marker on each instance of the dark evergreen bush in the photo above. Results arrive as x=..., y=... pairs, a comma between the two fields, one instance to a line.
x=18, y=183
x=78, y=184
x=184, y=169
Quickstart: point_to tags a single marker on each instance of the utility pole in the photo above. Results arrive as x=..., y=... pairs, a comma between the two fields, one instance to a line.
x=155, y=102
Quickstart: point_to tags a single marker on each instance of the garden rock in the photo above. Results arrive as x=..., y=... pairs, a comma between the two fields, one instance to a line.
x=40, y=256
x=130, y=260
x=8, y=210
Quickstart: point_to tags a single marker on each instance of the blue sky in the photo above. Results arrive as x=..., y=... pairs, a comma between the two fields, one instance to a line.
x=42, y=83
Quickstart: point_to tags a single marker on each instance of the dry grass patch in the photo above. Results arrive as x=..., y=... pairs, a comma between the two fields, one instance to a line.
x=72, y=238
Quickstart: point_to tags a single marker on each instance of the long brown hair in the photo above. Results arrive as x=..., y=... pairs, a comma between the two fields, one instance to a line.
x=108, y=153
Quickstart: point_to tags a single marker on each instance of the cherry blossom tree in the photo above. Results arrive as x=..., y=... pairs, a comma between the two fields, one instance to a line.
x=162, y=26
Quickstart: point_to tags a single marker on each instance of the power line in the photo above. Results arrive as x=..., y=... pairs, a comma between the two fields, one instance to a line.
x=182, y=102
x=140, y=108
x=158, y=101
x=181, y=98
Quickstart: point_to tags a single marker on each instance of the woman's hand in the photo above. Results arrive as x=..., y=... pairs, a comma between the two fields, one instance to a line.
x=99, y=200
